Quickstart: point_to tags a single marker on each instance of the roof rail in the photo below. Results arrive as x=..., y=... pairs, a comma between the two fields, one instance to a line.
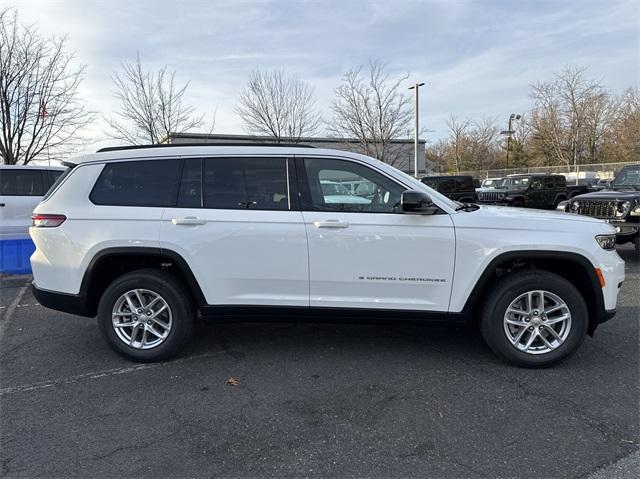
x=177, y=145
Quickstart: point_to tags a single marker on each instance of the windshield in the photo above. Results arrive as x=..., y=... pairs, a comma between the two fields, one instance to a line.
x=331, y=189
x=628, y=177
x=519, y=183
x=492, y=182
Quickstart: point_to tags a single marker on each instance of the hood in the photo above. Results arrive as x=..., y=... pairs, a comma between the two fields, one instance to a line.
x=535, y=221
x=609, y=195
x=510, y=213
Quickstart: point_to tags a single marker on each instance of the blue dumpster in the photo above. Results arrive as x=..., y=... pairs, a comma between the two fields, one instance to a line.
x=15, y=254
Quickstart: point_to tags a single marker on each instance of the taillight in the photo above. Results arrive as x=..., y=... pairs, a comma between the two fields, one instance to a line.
x=47, y=221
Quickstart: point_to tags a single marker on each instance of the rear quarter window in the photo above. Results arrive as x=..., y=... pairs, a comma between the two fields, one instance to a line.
x=138, y=183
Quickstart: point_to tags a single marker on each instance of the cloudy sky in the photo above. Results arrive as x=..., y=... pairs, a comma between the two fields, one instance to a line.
x=478, y=57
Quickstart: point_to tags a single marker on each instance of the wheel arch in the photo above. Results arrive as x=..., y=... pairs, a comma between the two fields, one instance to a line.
x=111, y=263
x=559, y=197
x=574, y=267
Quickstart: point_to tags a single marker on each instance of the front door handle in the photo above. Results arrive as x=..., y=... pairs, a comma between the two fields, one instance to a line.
x=331, y=224
x=189, y=220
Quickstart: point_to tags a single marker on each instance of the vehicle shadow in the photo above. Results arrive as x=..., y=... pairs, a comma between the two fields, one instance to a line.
x=349, y=340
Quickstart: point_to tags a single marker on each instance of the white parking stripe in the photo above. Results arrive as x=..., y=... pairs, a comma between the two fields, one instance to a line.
x=6, y=317
x=99, y=374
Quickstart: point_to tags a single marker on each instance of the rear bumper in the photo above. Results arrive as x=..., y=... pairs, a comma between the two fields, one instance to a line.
x=67, y=303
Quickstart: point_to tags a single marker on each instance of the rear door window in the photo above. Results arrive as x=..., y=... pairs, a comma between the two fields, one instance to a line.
x=246, y=183
x=464, y=184
x=22, y=182
x=138, y=183
x=447, y=185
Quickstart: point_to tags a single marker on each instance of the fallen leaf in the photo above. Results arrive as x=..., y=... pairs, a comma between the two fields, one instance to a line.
x=233, y=382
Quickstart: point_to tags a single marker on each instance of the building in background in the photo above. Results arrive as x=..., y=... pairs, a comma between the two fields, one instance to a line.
x=401, y=150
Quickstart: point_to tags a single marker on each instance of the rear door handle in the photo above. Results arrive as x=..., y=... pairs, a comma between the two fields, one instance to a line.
x=2, y=205
x=331, y=224
x=189, y=220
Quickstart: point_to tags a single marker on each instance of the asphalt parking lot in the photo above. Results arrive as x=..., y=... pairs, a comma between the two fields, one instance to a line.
x=313, y=400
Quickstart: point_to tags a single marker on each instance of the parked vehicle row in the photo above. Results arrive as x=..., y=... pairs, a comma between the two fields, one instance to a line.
x=619, y=204
x=536, y=190
x=143, y=238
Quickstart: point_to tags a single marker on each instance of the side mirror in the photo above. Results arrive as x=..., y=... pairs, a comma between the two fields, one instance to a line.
x=417, y=202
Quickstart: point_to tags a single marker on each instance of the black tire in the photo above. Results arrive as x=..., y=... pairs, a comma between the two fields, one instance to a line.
x=517, y=204
x=178, y=300
x=507, y=290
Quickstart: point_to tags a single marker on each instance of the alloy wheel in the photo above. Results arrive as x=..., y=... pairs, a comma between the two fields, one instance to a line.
x=537, y=322
x=141, y=318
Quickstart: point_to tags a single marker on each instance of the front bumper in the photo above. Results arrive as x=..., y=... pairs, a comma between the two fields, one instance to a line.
x=624, y=229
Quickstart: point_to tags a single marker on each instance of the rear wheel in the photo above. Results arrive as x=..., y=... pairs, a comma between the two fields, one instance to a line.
x=534, y=319
x=146, y=315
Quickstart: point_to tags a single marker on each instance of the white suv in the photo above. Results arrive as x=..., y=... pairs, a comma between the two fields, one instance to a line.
x=146, y=237
x=21, y=189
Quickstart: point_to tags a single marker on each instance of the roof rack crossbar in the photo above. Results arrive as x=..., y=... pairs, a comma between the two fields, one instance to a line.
x=177, y=145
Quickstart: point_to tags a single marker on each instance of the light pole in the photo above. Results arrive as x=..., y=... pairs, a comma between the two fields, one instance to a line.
x=508, y=132
x=415, y=140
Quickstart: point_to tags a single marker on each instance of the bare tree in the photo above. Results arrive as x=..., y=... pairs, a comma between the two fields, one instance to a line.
x=459, y=140
x=568, y=116
x=621, y=141
x=370, y=108
x=436, y=156
x=151, y=105
x=281, y=107
x=483, y=143
x=40, y=109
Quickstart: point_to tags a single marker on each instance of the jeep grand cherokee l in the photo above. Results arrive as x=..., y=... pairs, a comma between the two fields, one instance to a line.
x=144, y=238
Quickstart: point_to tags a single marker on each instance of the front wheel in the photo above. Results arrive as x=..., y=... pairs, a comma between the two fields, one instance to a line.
x=534, y=319
x=146, y=315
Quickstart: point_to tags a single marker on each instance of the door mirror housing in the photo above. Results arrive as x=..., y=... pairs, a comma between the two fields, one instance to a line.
x=417, y=202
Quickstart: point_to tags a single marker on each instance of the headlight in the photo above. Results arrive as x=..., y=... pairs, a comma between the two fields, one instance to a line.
x=623, y=209
x=480, y=196
x=575, y=205
x=635, y=211
x=606, y=241
x=562, y=206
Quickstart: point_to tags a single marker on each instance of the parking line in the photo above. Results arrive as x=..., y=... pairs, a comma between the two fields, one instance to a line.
x=11, y=309
x=99, y=374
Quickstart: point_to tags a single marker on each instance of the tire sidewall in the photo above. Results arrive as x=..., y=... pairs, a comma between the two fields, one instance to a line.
x=493, y=320
x=171, y=292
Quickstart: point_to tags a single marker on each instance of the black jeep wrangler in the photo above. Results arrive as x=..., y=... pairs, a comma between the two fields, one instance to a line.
x=459, y=188
x=619, y=204
x=538, y=190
